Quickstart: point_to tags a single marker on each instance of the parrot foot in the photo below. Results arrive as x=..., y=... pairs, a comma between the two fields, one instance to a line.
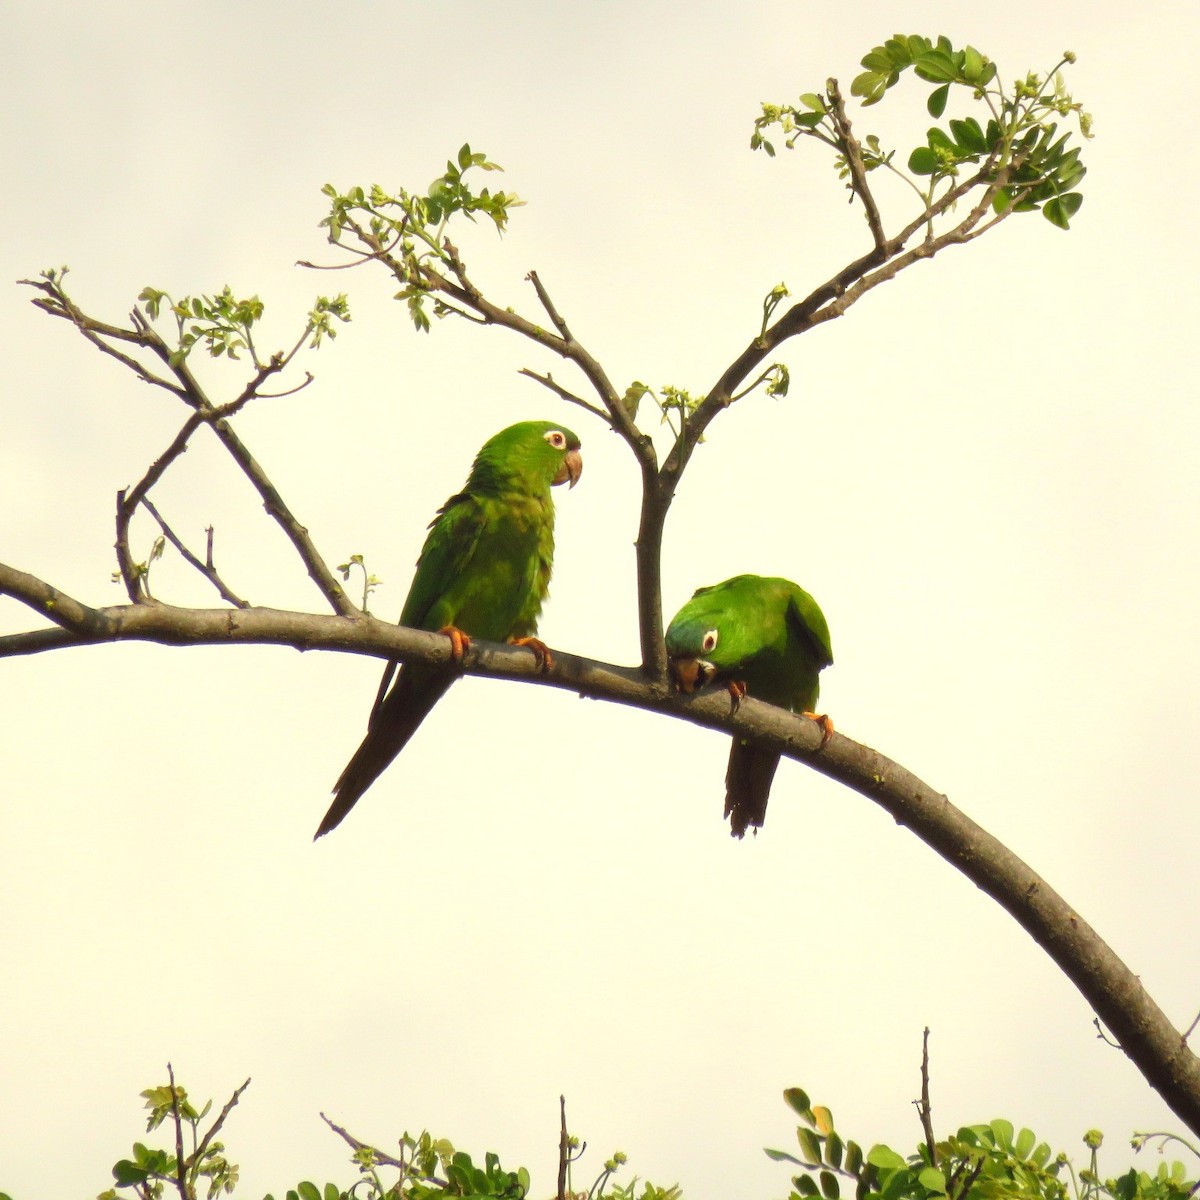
x=460, y=642
x=539, y=650
x=737, y=690
x=826, y=725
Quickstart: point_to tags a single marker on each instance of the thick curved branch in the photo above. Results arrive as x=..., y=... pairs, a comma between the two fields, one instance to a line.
x=1113, y=990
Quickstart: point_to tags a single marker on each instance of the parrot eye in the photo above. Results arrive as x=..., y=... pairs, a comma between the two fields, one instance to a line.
x=709, y=644
x=556, y=438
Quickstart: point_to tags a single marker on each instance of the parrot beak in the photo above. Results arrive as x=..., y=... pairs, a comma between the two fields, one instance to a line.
x=571, y=469
x=691, y=674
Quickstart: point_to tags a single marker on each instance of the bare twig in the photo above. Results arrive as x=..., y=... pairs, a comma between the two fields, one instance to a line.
x=564, y=1149
x=205, y=568
x=198, y=1154
x=380, y=1156
x=548, y=305
x=180, y=1166
x=1192, y=1027
x=850, y=147
x=924, y=1110
x=561, y=392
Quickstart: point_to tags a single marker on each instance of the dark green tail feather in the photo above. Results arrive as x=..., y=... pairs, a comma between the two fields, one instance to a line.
x=393, y=721
x=748, y=786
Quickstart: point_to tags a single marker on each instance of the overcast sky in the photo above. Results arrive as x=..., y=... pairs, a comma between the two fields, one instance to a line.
x=986, y=474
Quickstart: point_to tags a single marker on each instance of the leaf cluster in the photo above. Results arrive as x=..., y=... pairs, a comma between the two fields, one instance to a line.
x=1014, y=140
x=408, y=228
x=422, y=1168
x=151, y=1170
x=224, y=323
x=993, y=1161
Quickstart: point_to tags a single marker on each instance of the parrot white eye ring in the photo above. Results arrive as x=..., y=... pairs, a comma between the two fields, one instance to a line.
x=709, y=644
x=556, y=438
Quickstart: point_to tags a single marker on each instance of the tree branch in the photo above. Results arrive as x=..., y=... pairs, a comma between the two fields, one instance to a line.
x=1113, y=990
x=187, y=388
x=850, y=147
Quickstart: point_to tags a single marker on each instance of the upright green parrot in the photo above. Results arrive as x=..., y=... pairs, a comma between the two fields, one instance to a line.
x=483, y=572
x=757, y=635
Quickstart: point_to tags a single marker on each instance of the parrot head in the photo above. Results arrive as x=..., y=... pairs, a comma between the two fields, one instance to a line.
x=691, y=641
x=531, y=456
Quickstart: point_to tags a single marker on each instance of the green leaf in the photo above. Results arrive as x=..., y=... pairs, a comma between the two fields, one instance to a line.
x=810, y=1146
x=1061, y=209
x=128, y=1173
x=854, y=1158
x=782, y=1156
x=1041, y=1156
x=806, y=1185
x=870, y=86
x=829, y=1185
x=932, y=1180
x=939, y=139
x=813, y=101
x=878, y=61
x=969, y=135
x=923, y=161
x=1026, y=1140
x=936, y=104
x=936, y=67
x=1002, y=1132
x=796, y=1098
x=885, y=1158
x=972, y=65
x=308, y=1191
x=834, y=1149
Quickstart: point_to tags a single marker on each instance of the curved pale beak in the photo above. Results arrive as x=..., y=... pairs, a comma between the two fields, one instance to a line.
x=691, y=674
x=571, y=469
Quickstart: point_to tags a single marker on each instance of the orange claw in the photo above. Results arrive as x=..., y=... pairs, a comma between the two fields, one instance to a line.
x=737, y=689
x=460, y=642
x=826, y=724
x=539, y=649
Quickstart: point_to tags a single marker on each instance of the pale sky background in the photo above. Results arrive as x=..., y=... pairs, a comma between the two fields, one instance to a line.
x=986, y=474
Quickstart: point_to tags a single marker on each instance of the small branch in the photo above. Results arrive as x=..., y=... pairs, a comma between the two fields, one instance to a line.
x=180, y=1167
x=561, y=392
x=205, y=568
x=564, y=1150
x=215, y=1128
x=551, y=311
x=1192, y=1027
x=379, y=1156
x=924, y=1110
x=58, y=304
x=850, y=147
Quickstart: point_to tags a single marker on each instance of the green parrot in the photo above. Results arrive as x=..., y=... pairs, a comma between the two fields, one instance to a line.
x=483, y=573
x=757, y=635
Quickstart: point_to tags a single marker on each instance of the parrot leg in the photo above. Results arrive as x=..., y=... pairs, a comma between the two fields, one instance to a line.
x=826, y=725
x=737, y=689
x=460, y=642
x=539, y=650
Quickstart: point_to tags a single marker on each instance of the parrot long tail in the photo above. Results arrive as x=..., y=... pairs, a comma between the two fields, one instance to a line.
x=394, y=720
x=748, y=786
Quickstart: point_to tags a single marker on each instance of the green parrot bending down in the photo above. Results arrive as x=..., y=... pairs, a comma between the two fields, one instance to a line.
x=483, y=573
x=757, y=635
